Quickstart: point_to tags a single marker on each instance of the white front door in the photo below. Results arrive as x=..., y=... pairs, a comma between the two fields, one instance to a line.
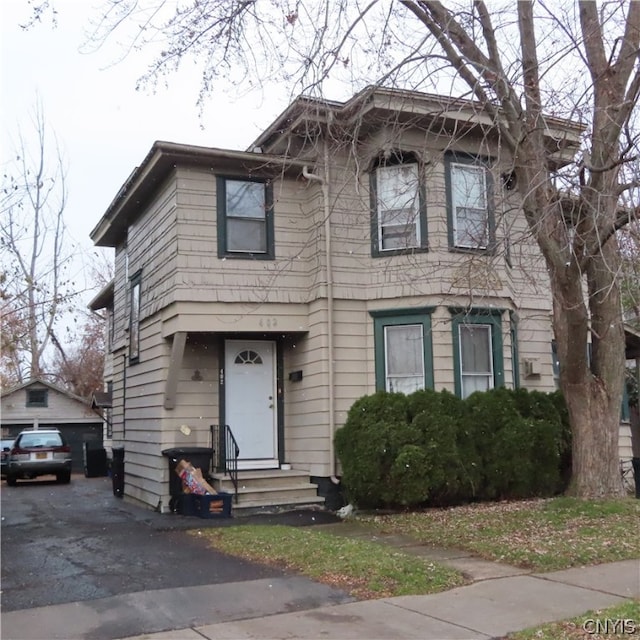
x=250, y=400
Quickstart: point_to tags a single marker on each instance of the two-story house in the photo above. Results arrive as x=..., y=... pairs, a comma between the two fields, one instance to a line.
x=372, y=244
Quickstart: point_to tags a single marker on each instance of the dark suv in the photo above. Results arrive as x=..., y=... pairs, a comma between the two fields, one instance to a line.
x=39, y=452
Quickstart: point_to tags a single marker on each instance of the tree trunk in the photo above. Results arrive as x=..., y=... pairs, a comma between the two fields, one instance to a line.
x=591, y=383
x=596, y=471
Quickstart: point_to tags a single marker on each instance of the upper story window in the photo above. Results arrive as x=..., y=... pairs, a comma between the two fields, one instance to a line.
x=398, y=212
x=110, y=329
x=469, y=202
x=134, y=318
x=37, y=397
x=245, y=218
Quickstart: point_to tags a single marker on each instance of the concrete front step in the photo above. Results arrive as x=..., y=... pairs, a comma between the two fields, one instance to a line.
x=278, y=494
x=249, y=507
x=268, y=478
x=270, y=488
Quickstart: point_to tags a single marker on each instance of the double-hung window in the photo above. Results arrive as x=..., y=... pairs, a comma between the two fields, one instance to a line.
x=134, y=317
x=398, y=209
x=404, y=358
x=245, y=218
x=477, y=345
x=403, y=350
x=476, y=361
x=469, y=203
x=37, y=398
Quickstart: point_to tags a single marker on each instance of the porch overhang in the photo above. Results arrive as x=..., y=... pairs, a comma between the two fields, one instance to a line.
x=226, y=317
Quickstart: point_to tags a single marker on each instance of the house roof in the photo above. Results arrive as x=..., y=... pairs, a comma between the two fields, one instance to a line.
x=307, y=116
x=160, y=161
x=379, y=102
x=101, y=400
x=41, y=382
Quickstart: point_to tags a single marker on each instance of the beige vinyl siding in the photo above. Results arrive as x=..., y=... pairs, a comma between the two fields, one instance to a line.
x=306, y=402
x=144, y=415
x=535, y=336
x=203, y=276
x=117, y=398
x=442, y=344
x=201, y=317
x=149, y=427
x=152, y=246
x=120, y=298
x=437, y=272
x=354, y=365
x=197, y=405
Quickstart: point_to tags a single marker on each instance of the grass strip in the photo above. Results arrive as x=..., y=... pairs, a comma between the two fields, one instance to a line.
x=619, y=622
x=364, y=569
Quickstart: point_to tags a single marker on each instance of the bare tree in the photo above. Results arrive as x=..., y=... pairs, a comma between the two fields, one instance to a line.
x=34, y=259
x=520, y=64
x=80, y=367
x=13, y=334
x=575, y=230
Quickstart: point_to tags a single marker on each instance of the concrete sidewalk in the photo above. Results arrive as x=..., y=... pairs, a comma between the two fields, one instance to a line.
x=485, y=609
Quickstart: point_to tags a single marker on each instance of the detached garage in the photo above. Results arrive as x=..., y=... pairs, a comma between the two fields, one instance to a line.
x=40, y=404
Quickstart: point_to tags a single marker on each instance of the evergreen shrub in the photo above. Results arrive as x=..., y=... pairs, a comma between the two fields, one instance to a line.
x=432, y=448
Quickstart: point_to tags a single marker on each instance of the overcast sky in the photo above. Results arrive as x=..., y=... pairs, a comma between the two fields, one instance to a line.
x=104, y=126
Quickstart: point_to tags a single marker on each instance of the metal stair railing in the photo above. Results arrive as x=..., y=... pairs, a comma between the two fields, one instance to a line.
x=225, y=454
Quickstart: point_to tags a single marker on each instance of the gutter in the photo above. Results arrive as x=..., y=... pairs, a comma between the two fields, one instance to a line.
x=324, y=182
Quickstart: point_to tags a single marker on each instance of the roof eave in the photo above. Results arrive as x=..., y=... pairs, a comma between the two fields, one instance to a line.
x=161, y=159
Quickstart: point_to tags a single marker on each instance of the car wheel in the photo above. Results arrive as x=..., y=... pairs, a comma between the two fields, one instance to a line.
x=63, y=478
x=12, y=481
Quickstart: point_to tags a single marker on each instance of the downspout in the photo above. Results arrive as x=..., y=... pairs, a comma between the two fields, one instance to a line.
x=124, y=397
x=324, y=182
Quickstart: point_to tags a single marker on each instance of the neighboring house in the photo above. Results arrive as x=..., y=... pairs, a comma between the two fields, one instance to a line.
x=632, y=352
x=40, y=404
x=372, y=244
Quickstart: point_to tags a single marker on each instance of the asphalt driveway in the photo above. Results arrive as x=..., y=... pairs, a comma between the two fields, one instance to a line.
x=78, y=542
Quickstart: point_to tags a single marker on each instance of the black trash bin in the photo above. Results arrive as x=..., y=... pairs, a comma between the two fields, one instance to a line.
x=117, y=471
x=95, y=460
x=199, y=457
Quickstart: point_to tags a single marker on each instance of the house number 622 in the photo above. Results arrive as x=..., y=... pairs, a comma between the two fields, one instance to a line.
x=268, y=322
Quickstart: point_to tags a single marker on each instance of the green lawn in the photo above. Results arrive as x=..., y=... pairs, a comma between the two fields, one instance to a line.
x=365, y=569
x=542, y=535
